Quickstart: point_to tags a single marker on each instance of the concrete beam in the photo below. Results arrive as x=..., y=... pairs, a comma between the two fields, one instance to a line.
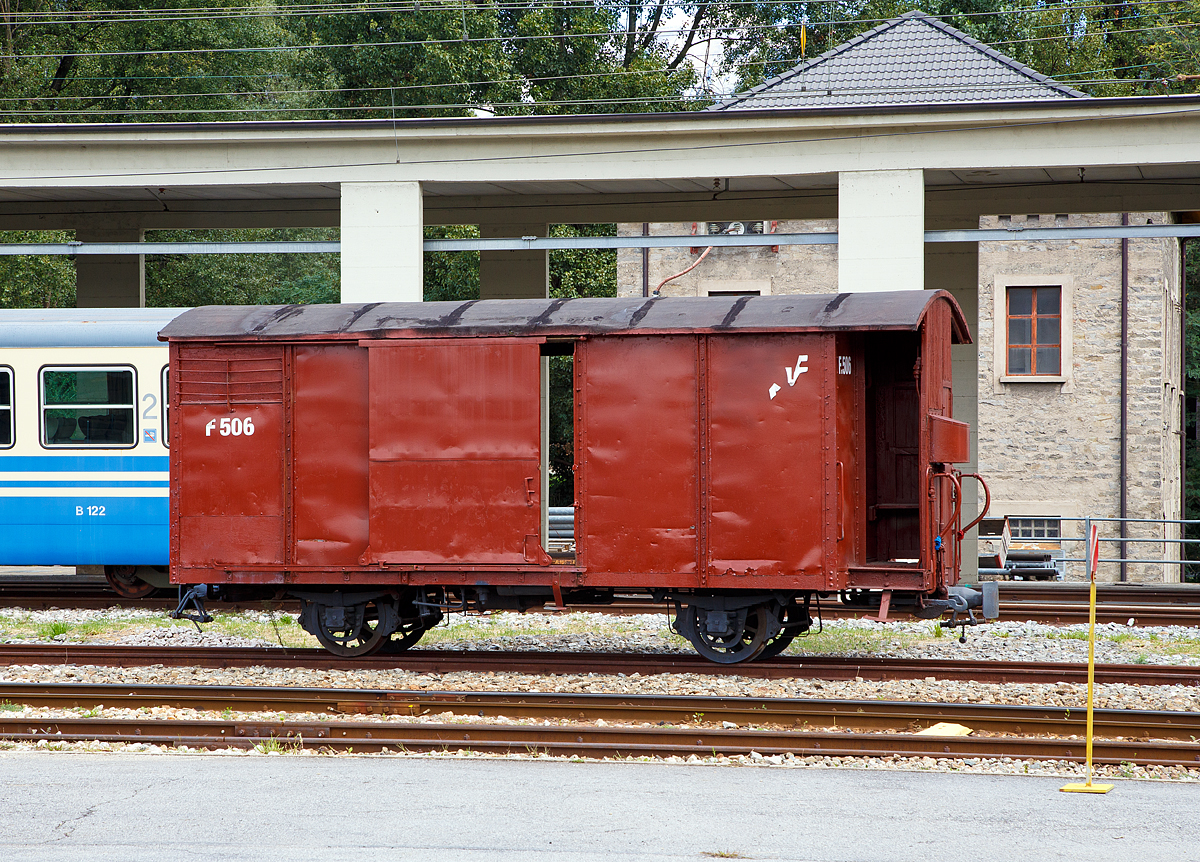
x=383, y=231
x=1077, y=197
x=110, y=281
x=228, y=212
x=514, y=274
x=654, y=207
x=1140, y=139
x=881, y=231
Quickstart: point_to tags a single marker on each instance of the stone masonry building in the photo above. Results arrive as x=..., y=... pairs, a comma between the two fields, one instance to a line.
x=1042, y=383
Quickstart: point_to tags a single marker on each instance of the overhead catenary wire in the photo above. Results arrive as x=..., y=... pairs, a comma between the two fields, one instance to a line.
x=145, y=104
x=726, y=34
x=205, y=13
x=209, y=13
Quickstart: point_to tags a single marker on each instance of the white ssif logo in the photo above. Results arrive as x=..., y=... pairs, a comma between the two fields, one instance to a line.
x=233, y=426
x=793, y=374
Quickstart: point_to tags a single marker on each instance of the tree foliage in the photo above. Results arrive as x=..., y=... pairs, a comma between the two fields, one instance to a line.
x=112, y=62
x=36, y=281
x=185, y=280
x=448, y=58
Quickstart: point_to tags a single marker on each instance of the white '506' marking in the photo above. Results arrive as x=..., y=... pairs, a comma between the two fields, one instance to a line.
x=230, y=426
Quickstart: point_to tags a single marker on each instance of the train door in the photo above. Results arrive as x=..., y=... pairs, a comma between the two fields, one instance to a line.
x=895, y=472
x=454, y=467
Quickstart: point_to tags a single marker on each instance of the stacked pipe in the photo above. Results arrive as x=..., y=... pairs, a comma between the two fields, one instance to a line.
x=562, y=522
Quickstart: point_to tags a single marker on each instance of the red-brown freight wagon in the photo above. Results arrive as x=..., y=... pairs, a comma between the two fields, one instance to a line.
x=736, y=456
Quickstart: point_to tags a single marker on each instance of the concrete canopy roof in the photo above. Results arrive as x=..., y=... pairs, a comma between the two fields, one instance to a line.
x=1134, y=153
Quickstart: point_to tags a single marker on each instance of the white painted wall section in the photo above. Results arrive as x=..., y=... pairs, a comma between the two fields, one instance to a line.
x=383, y=228
x=881, y=231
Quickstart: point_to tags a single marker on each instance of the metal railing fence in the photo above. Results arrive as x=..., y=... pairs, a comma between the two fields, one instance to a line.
x=1124, y=540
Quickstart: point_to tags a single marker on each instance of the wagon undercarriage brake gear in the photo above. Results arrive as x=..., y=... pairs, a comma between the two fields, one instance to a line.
x=194, y=597
x=796, y=620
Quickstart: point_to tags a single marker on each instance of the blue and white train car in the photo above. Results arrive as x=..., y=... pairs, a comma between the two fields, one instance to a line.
x=83, y=442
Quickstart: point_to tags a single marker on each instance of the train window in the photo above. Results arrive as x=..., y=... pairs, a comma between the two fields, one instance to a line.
x=165, y=401
x=89, y=406
x=6, y=408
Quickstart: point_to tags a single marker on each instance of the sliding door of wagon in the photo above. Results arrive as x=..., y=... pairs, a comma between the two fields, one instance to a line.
x=637, y=471
x=455, y=432
x=771, y=466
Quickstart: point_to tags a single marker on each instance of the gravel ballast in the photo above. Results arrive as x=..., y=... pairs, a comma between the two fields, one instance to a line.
x=581, y=632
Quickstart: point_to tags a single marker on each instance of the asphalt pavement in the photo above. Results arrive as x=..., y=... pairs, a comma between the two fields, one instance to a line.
x=101, y=807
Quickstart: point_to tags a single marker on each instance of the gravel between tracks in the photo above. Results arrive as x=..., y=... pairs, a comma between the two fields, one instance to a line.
x=1010, y=641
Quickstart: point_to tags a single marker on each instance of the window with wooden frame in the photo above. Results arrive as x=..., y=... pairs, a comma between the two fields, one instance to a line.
x=1034, y=330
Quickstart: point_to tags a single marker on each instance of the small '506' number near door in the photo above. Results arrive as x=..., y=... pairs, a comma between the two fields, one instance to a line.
x=230, y=426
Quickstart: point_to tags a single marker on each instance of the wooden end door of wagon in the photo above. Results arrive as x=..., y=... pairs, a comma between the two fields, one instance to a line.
x=454, y=466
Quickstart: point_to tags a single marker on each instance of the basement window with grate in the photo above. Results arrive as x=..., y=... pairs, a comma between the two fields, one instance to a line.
x=1035, y=528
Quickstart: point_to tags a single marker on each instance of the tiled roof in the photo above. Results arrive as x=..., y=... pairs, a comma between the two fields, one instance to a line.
x=913, y=59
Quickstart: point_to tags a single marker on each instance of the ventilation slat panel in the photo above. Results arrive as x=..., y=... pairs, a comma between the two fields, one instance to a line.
x=214, y=376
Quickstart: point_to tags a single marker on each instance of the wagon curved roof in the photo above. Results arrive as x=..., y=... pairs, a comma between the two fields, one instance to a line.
x=83, y=327
x=892, y=310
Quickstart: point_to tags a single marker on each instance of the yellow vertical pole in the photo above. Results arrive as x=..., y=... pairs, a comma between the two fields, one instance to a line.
x=1093, y=558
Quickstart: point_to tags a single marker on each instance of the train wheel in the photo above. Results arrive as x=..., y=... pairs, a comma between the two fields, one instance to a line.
x=125, y=583
x=736, y=646
x=792, y=614
x=350, y=631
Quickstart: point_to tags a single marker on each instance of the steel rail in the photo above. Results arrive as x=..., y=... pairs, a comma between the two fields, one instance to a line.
x=531, y=662
x=790, y=713
x=584, y=741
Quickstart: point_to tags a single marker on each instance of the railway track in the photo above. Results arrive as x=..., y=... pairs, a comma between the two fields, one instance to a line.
x=531, y=662
x=1054, y=603
x=654, y=725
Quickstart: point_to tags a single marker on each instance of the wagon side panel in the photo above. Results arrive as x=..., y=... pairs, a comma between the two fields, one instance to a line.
x=454, y=468
x=231, y=456
x=769, y=406
x=330, y=444
x=638, y=466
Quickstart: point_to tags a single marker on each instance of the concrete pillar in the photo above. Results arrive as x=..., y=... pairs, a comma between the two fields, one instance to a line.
x=383, y=232
x=514, y=274
x=954, y=266
x=110, y=280
x=881, y=231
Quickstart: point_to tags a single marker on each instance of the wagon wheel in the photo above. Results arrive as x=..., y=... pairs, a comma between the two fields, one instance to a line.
x=725, y=649
x=409, y=633
x=792, y=614
x=125, y=583
x=358, y=634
